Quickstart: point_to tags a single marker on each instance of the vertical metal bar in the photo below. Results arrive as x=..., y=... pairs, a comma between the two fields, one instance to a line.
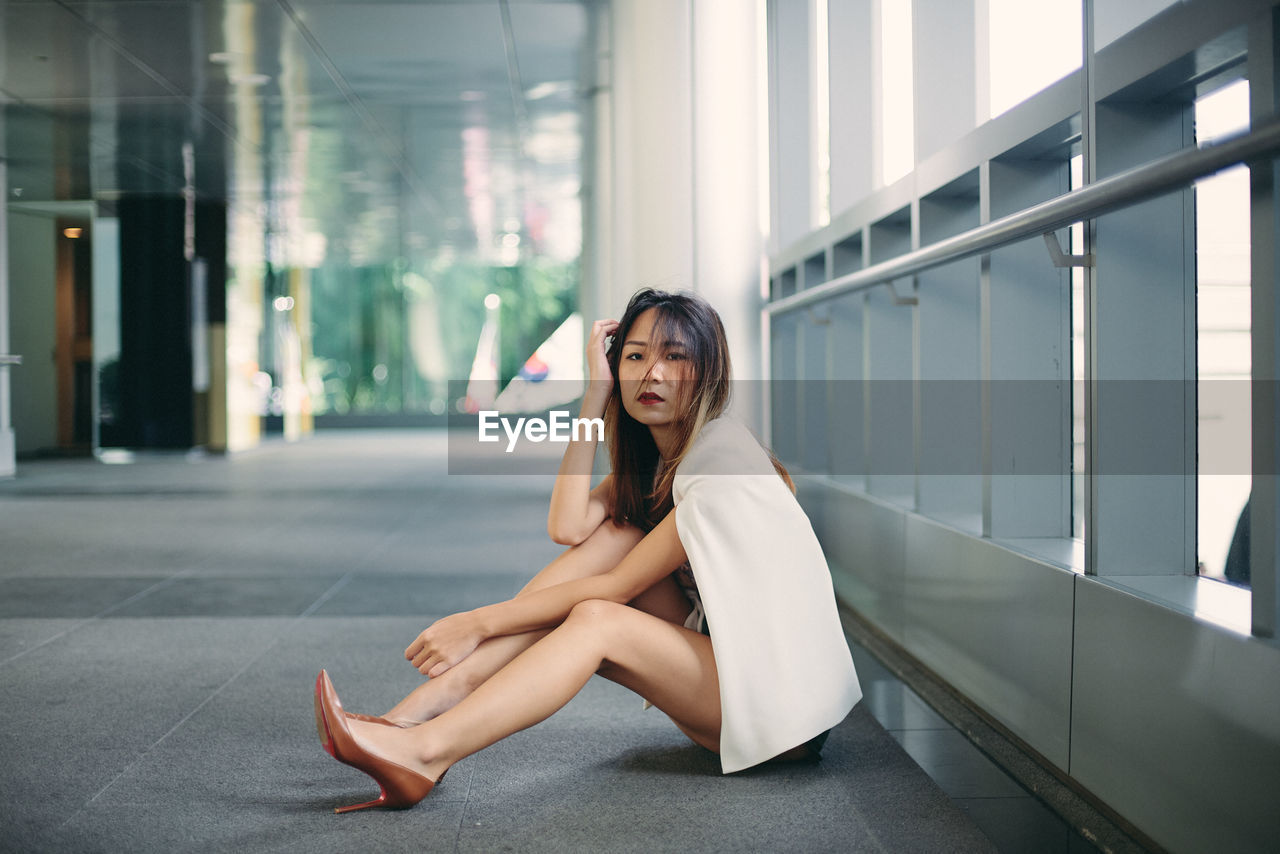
x=866, y=393
x=984, y=344
x=7, y=466
x=830, y=387
x=800, y=418
x=866, y=366
x=917, y=429
x=1190, y=385
x=1264, y=504
x=1089, y=174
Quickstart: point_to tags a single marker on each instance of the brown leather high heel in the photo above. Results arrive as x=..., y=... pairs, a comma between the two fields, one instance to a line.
x=375, y=719
x=378, y=719
x=398, y=786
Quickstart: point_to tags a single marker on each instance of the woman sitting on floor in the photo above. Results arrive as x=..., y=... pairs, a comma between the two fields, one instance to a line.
x=693, y=578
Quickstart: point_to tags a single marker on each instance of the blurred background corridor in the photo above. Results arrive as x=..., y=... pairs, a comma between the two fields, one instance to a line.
x=999, y=280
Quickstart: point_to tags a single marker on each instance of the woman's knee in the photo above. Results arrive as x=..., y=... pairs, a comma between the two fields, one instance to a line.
x=595, y=622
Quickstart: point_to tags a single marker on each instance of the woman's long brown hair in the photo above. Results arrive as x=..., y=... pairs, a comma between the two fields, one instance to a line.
x=642, y=494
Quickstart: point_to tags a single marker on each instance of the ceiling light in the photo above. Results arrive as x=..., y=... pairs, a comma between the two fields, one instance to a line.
x=72, y=233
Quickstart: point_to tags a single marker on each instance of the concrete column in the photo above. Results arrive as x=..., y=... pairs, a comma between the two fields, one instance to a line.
x=729, y=246
x=652, y=215
x=676, y=194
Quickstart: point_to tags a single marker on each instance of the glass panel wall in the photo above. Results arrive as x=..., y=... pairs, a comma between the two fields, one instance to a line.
x=1223, y=356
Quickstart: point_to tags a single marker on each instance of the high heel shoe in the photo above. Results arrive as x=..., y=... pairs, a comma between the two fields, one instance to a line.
x=378, y=719
x=375, y=719
x=398, y=786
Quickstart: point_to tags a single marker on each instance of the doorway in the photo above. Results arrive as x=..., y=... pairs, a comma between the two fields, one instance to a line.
x=51, y=322
x=73, y=335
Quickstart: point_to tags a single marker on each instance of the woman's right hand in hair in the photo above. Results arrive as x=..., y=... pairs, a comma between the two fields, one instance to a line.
x=600, y=378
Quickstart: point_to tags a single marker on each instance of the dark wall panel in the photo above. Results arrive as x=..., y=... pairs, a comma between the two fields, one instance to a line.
x=155, y=327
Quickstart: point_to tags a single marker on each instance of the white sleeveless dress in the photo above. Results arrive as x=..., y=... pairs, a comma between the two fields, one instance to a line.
x=786, y=675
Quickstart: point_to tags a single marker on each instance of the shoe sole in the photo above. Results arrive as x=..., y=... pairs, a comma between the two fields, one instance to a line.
x=322, y=724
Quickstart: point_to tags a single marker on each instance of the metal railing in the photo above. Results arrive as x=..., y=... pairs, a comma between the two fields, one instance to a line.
x=1147, y=181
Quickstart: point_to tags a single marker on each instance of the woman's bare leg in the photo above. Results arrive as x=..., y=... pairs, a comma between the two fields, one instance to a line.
x=669, y=665
x=597, y=554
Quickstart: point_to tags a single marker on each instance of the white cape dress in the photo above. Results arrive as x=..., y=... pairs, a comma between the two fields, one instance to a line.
x=784, y=666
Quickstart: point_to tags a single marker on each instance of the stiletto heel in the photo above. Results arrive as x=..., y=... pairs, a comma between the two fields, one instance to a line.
x=398, y=786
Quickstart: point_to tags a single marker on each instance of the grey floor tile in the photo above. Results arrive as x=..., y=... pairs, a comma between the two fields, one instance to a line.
x=364, y=657
x=1024, y=824
x=676, y=799
x=646, y=824
x=369, y=594
x=184, y=722
x=63, y=596
x=897, y=707
x=869, y=667
x=250, y=824
x=230, y=597
x=20, y=636
x=956, y=765
x=80, y=711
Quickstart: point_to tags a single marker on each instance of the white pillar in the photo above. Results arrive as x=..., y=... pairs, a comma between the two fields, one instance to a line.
x=679, y=164
x=729, y=243
x=7, y=466
x=652, y=214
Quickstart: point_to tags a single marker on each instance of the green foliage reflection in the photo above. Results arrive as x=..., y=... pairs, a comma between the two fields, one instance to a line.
x=388, y=339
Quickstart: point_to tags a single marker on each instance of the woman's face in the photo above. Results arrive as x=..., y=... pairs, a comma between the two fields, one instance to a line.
x=654, y=377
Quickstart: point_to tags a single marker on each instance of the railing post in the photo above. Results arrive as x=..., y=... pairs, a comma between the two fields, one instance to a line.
x=1264, y=506
x=7, y=449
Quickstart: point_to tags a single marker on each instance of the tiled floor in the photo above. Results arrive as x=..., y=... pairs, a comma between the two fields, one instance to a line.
x=1011, y=817
x=161, y=623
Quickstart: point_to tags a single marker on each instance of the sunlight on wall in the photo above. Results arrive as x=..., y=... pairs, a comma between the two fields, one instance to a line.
x=822, y=115
x=1032, y=46
x=898, y=90
x=1223, y=339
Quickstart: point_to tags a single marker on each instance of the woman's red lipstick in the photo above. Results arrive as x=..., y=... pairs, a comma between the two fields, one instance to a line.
x=650, y=397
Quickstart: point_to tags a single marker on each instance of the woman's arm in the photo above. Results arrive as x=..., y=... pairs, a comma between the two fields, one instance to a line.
x=576, y=508
x=452, y=639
